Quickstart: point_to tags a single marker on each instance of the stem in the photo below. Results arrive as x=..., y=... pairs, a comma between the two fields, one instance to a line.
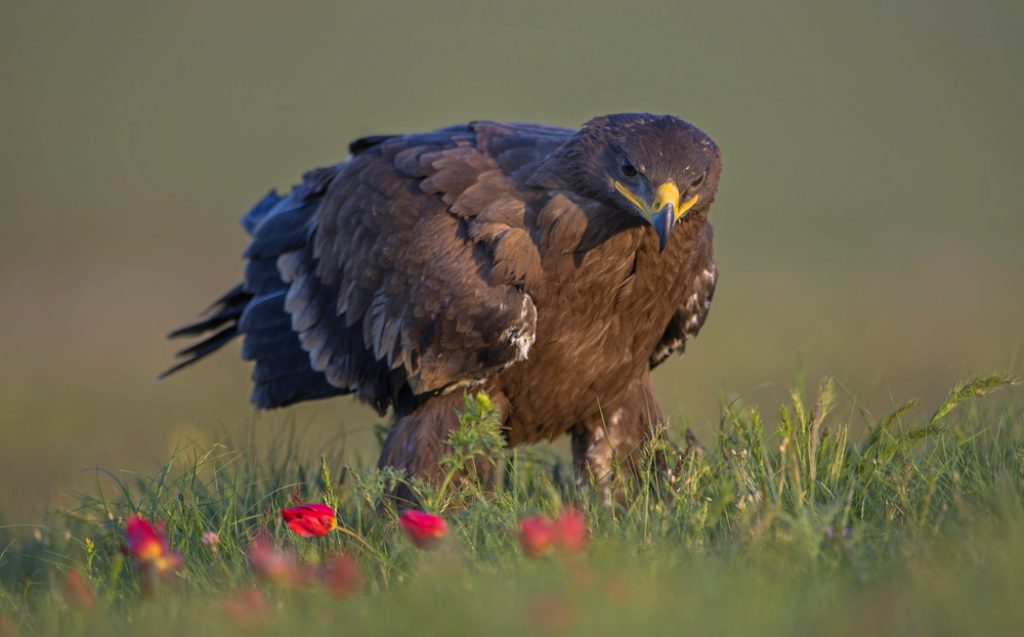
x=444, y=485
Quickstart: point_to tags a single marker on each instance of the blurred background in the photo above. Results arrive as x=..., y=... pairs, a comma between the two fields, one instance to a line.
x=868, y=226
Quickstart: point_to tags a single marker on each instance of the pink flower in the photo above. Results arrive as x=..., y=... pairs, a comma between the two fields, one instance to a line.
x=248, y=608
x=310, y=520
x=7, y=627
x=571, y=531
x=272, y=564
x=617, y=591
x=553, y=615
x=342, y=576
x=423, y=529
x=77, y=592
x=536, y=535
x=211, y=539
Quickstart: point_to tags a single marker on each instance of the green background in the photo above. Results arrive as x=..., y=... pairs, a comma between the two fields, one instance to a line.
x=868, y=224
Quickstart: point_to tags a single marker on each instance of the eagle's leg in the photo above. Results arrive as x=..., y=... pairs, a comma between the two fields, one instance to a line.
x=417, y=442
x=623, y=438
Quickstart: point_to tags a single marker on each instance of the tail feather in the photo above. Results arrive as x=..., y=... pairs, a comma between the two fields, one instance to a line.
x=227, y=311
x=202, y=349
x=255, y=308
x=206, y=325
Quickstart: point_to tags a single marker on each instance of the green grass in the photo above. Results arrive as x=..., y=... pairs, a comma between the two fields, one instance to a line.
x=809, y=520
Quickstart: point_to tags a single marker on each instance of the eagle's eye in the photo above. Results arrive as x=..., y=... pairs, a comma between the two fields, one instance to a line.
x=696, y=183
x=627, y=169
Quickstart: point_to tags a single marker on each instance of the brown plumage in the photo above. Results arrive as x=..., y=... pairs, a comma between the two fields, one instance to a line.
x=544, y=265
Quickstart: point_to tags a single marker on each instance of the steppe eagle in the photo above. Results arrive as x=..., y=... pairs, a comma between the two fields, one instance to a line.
x=553, y=268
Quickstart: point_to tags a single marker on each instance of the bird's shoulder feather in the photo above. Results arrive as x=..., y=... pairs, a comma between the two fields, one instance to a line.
x=420, y=260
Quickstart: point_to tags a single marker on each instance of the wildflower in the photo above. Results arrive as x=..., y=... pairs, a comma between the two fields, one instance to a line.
x=580, y=574
x=342, y=576
x=536, y=535
x=310, y=520
x=168, y=563
x=146, y=543
x=423, y=529
x=248, y=608
x=211, y=539
x=553, y=615
x=617, y=591
x=571, y=531
x=272, y=564
x=77, y=592
x=7, y=627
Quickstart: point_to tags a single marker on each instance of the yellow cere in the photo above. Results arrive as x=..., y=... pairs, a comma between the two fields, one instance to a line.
x=667, y=193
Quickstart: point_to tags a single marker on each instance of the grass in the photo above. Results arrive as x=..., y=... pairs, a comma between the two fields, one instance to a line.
x=821, y=522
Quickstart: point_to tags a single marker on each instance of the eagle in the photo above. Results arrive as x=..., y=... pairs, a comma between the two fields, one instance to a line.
x=553, y=268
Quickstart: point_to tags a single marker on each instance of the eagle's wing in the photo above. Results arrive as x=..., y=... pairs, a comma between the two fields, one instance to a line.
x=416, y=272
x=692, y=312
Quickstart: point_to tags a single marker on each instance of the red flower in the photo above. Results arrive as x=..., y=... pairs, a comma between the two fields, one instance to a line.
x=536, y=535
x=342, y=576
x=77, y=592
x=310, y=520
x=146, y=543
x=423, y=529
x=143, y=541
x=571, y=531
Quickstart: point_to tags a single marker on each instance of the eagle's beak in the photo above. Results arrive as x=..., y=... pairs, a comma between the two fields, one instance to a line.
x=664, y=211
x=667, y=210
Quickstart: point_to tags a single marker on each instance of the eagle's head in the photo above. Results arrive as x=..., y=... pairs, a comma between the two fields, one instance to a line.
x=657, y=167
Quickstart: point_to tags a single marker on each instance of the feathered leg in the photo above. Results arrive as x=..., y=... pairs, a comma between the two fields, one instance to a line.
x=417, y=442
x=618, y=438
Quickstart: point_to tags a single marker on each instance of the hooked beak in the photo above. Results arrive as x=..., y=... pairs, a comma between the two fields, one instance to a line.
x=664, y=211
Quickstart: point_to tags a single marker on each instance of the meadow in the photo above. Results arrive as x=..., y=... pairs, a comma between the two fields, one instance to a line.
x=816, y=518
x=867, y=228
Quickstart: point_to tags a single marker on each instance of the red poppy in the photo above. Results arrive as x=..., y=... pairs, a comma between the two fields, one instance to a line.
x=143, y=541
x=423, y=529
x=146, y=543
x=310, y=520
x=571, y=531
x=536, y=535
x=342, y=576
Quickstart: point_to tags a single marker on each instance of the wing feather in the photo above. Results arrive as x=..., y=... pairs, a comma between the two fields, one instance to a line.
x=403, y=272
x=417, y=268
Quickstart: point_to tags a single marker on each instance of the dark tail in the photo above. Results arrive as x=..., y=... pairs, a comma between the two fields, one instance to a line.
x=254, y=309
x=221, y=318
